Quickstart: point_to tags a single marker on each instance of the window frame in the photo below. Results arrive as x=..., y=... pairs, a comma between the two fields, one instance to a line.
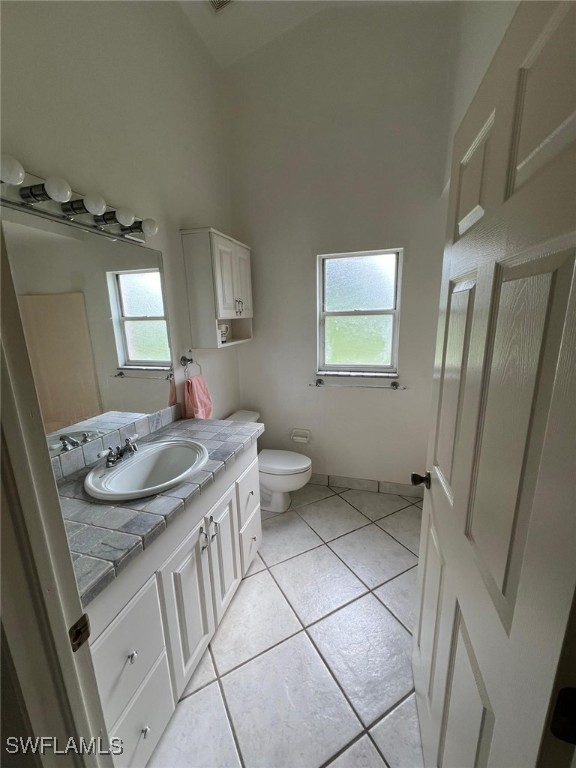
x=389, y=371
x=120, y=319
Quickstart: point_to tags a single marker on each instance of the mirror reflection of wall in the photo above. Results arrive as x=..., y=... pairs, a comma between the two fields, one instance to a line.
x=91, y=308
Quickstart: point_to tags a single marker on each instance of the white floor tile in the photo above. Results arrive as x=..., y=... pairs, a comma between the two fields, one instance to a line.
x=257, y=618
x=317, y=583
x=405, y=527
x=375, y=505
x=189, y=740
x=310, y=493
x=256, y=566
x=398, y=736
x=287, y=710
x=332, y=517
x=204, y=674
x=373, y=555
x=370, y=654
x=362, y=754
x=400, y=596
x=284, y=536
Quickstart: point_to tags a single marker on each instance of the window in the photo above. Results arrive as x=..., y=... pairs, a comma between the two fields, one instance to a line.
x=139, y=318
x=358, y=312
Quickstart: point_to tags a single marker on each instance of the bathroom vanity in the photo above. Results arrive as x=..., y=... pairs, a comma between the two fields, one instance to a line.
x=152, y=622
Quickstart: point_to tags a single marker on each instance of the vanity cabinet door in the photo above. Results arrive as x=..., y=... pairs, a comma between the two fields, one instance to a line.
x=225, y=564
x=243, y=280
x=187, y=597
x=224, y=264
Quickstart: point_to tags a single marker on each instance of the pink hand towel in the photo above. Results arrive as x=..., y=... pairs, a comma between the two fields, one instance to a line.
x=197, y=399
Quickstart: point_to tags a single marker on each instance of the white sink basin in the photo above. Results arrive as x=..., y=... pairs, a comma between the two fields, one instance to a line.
x=154, y=468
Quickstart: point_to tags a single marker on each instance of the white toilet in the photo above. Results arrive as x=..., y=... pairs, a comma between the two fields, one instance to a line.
x=280, y=471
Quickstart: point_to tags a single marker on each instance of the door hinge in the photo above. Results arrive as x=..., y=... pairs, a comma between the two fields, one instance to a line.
x=79, y=632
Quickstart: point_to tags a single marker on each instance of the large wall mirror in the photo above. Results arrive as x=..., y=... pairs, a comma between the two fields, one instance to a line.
x=93, y=313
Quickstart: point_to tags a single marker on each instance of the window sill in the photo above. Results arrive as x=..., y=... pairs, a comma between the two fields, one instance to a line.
x=144, y=368
x=357, y=374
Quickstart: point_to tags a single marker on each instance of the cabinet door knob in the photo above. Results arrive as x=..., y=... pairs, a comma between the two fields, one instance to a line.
x=132, y=657
x=254, y=538
x=251, y=493
x=146, y=731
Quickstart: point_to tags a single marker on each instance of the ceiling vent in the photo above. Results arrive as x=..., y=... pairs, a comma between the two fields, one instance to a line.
x=218, y=5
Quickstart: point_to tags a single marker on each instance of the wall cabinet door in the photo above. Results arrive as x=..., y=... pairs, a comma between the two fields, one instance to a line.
x=243, y=280
x=225, y=564
x=187, y=596
x=225, y=270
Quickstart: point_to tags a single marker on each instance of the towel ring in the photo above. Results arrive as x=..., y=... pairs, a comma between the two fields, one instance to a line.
x=186, y=361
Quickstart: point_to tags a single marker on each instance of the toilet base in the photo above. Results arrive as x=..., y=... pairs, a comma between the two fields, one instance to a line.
x=274, y=501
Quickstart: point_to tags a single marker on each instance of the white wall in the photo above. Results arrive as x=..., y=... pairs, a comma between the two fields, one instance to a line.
x=339, y=144
x=122, y=97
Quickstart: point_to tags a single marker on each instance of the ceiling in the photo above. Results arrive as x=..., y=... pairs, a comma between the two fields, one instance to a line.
x=246, y=25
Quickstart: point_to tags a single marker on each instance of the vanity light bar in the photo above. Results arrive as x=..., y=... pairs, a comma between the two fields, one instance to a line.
x=52, y=199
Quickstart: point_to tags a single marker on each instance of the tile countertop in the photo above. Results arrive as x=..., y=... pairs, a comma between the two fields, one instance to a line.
x=103, y=539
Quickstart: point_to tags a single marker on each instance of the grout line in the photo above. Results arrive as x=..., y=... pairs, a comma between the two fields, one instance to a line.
x=261, y=653
x=345, y=748
x=377, y=748
x=231, y=723
x=391, y=709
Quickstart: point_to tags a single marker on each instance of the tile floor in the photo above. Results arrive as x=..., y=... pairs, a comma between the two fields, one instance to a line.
x=311, y=666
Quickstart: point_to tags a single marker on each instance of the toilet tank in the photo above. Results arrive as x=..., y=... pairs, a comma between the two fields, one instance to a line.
x=244, y=416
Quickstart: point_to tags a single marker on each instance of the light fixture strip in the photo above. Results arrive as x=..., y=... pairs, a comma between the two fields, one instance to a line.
x=54, y=199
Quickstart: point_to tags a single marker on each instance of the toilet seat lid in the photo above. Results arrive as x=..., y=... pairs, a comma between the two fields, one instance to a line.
x=282, y=462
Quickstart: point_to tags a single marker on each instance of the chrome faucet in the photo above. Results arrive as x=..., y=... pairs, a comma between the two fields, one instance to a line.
x=68, y=442
x=114, y=455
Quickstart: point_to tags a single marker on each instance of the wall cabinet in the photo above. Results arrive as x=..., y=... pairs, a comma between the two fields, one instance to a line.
x=171, y=600
x=219, y=286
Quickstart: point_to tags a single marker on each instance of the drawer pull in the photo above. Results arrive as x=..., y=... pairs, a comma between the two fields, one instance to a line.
x=206, y=539
x=132, y=657
x=146, y=731
x=216, y=527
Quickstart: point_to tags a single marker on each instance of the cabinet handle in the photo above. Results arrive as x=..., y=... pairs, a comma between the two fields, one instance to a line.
x=237, y=302
x=254, y=538
x=132, y=657
x=216, y=526
x=206, y=539
x=146, y=731
x=241, y=306
x=251, y=493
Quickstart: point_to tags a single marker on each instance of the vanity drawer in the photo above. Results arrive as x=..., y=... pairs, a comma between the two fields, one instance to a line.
x=250, y=539
x=125, y=652
x=145, y=719
x=248, y=493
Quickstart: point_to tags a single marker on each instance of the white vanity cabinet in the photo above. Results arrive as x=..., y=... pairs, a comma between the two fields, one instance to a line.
x=197, y=584
x=131, y=667
x=153, y=623
x=219, y=286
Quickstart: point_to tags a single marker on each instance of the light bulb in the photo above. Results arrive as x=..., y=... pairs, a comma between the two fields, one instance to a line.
x=94, y=204
x=149, y=227
x=11, y=172
x=124, y=217
x=58, y=189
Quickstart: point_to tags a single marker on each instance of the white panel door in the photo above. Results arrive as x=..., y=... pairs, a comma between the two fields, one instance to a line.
x=498, y=546
x=223, y=256
x=187, y=599
x=225, y=565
